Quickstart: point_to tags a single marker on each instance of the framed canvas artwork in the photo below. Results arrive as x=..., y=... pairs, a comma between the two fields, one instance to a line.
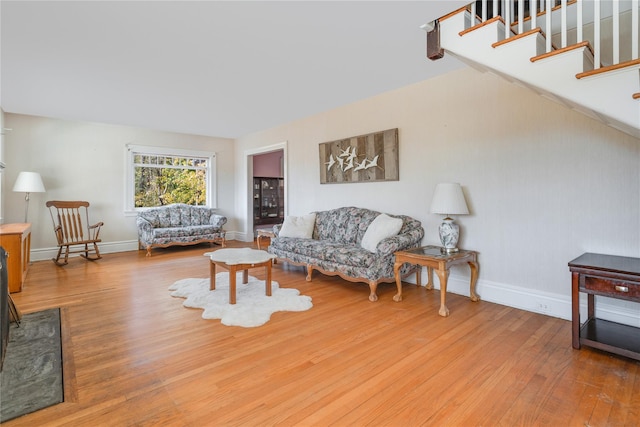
x=365, y=158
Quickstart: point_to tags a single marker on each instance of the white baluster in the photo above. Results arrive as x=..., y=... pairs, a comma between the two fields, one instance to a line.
x=513, y=11
x=596, y=34
x=616, y=32
x=507, y=19
x=484, y=10
x=473, y=14
x=533, y=13
x=520, y=16
x=563, y=22
x=579, y=16
x=547, y=30
x=634, y=29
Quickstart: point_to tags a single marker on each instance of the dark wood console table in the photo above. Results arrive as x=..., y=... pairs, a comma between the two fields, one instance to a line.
x=610, y=276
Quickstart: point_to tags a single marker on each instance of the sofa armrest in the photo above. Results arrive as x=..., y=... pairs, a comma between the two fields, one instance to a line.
x=407, y=240
x=217, y=220
x=145, y=230
x=143, y=224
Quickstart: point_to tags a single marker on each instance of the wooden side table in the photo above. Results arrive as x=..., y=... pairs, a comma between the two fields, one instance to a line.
x=433, y=257
x=263, y=234
x=16, y=240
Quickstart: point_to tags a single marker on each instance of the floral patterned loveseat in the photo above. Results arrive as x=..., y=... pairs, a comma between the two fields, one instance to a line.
x=335, y=247
x=179, y=224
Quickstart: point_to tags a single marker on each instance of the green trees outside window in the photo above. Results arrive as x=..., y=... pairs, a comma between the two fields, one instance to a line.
x=162, y=180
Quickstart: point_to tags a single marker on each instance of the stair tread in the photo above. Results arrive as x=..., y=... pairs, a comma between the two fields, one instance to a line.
x=518, y=36
x=601, y=70
x=450, y=14
x=482, y=24
x=562, y=50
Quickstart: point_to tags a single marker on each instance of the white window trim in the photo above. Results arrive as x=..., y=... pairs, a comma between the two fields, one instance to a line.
x=130, y=149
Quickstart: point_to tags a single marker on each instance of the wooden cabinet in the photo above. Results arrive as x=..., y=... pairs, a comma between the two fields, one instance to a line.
x=16, y=240
x=608, y=276
x=268, y=200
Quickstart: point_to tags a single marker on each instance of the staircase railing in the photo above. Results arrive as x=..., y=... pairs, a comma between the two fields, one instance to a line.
x=610, y=26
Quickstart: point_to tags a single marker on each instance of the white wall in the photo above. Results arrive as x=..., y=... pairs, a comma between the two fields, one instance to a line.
x=544, y=183
x=2, y=161
x=86, y=161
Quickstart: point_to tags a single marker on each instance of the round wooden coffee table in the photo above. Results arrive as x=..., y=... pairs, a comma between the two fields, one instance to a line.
x=239, y=259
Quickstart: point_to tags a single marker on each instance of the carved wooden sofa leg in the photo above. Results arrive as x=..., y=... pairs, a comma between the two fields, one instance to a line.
x=373, y=286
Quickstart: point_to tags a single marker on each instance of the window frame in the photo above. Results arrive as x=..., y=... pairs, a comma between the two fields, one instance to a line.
x=131, y=150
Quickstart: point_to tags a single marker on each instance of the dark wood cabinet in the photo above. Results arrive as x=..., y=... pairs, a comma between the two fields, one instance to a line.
x=268, y=200
x=608, y=276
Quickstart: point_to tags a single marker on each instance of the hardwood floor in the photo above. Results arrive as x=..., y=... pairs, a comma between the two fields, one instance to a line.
x=133, y=355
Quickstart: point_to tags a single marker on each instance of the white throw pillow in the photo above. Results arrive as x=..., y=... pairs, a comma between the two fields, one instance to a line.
x=380, y=228
x=298, y=226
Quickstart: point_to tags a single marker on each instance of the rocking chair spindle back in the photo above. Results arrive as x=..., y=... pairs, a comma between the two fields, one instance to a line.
x=71, y=227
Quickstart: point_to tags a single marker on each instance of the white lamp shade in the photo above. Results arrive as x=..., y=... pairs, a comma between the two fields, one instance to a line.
x=448, y=199
x=29, y=182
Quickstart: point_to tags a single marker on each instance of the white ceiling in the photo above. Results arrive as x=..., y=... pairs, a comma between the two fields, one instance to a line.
x=217, y=68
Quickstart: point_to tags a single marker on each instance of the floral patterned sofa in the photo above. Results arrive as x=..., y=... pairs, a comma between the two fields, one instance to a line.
x=335, y=247
x=179, y=224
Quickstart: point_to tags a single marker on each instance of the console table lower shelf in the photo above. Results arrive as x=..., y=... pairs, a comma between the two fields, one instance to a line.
x=612, y=337
x=609, y=276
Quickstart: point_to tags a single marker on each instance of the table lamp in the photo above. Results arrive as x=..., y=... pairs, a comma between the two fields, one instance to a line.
x=28, y=182
x=449, y=200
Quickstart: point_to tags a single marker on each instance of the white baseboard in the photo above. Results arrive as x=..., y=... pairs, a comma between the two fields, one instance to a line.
x=105, y=248
x=240, y=236
x=43, y=254
x=536, y=301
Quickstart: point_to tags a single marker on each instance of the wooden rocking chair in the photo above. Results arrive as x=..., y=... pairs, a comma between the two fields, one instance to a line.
x=71, y=226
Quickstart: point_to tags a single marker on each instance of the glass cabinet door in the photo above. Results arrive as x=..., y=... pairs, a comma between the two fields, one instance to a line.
x=268, y=200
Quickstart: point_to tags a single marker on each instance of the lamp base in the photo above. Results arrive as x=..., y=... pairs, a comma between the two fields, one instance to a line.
x=449, y=233
x=449, y=250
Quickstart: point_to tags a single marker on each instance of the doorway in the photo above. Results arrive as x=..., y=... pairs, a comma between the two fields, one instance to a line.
x=267, y=189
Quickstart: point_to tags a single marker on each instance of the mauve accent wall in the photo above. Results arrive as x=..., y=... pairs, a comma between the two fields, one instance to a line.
x=268, y=165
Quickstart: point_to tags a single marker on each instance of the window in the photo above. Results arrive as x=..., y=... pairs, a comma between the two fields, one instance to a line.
x=159, y=176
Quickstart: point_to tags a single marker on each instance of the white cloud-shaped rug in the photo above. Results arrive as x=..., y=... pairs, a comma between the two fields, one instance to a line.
x=252, y=308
